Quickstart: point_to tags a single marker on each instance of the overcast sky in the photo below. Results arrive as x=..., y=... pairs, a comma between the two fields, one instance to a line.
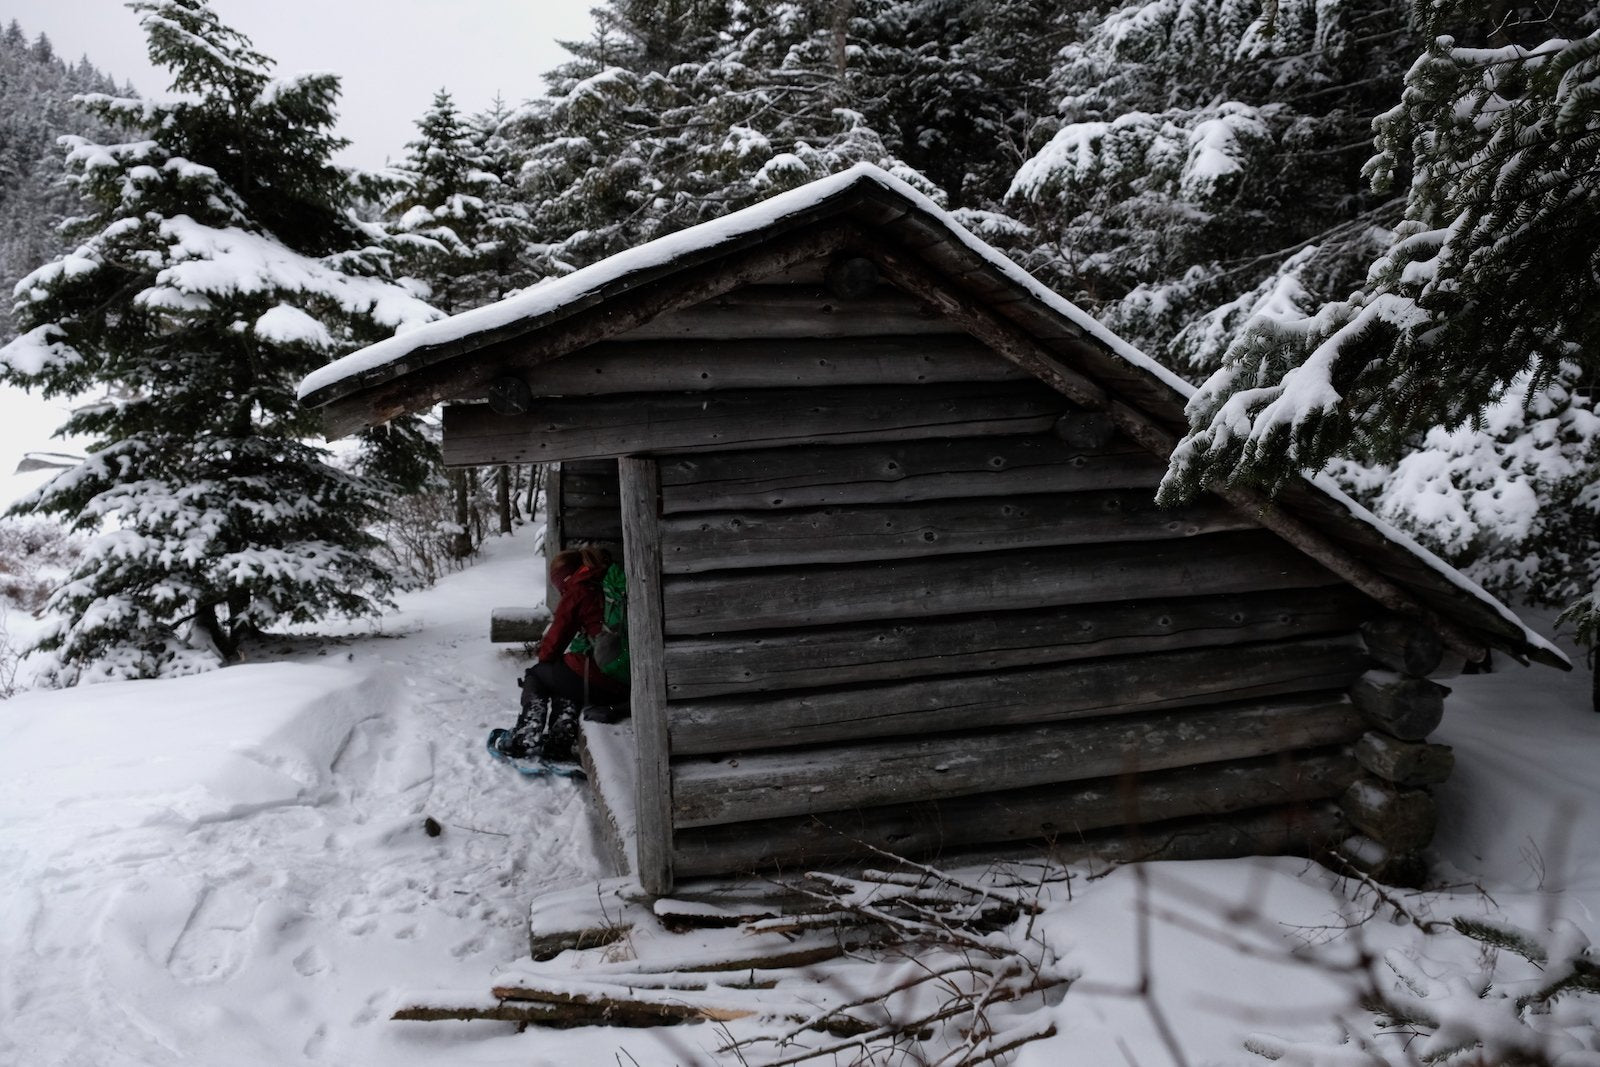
x=391, y=54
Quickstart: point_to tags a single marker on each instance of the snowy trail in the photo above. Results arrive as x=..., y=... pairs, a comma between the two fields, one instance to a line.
x=233, y=869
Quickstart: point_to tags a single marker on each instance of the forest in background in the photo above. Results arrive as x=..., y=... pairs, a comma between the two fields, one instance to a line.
x=1202, y=175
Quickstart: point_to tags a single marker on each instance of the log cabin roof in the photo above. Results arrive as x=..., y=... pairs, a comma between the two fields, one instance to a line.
x=922, y=249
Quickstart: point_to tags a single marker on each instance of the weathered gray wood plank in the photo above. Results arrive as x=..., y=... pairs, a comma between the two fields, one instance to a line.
x=588, y=427
x=873, y=652
x=641, y=490
x=1051, y=813
x=724, y=540
x=1121, y=685
x=592, y=524
x=889, y=473
x=782, y=311
x=1015, y=581
x=828, y=778
x=767, y=363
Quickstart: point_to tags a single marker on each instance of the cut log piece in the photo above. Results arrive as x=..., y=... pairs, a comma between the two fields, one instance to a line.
x=730, y=539
x=517, y=624
x=873, y=652
x=899, y=473
x=1119, y=686
x=772, y=785
x=1403, y=645
x=1408, y=708
x=1401, y=820
x=631, y=423
x=1405, y=763
x=1038, y=578
x=1045, y=813
x=698, y=366
x=757, y=311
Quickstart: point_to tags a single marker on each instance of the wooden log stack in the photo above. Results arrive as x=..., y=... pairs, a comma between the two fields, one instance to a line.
x=1390, y=807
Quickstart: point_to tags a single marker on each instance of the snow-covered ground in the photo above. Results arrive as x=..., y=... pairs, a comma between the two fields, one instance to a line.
x=232, y=869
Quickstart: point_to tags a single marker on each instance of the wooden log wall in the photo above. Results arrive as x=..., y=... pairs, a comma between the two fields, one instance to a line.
x=912, y=598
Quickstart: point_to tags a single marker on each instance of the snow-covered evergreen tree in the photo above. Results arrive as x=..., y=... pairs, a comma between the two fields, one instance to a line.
x=1483, y=313
x=35, y=110
x=216, y=262
x=623, y=153
x=455, y=223
x=1209, y=158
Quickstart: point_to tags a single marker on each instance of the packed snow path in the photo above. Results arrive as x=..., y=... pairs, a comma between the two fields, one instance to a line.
x=233, y=868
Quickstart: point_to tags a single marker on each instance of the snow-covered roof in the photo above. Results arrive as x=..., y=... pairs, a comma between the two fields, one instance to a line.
x=880, y=199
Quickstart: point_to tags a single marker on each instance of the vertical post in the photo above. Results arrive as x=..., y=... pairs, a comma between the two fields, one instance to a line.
x=552, y=530
x=640, y=480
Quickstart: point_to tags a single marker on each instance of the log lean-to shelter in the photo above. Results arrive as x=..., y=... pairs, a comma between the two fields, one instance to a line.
x=896, y=576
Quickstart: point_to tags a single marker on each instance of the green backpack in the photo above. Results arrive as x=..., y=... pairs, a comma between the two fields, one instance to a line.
x=609, y=648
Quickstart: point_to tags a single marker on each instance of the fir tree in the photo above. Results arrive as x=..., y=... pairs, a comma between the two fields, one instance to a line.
x=216, y=262
x=1208, y=158
x=1488, y=295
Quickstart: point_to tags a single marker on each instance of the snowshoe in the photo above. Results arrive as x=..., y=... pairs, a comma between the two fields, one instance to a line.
x=502, y=748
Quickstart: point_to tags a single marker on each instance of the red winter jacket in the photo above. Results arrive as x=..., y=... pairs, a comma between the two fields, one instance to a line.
x=582, y=608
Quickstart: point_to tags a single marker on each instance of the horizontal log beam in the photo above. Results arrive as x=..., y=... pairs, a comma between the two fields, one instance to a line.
x=830, y=778
x=900, y=473
x=724, y=540
x=592, y=524
x=1408, y=708
x=787, y=311
x=874, y=652
x=767, y=363
x=918, y=588
x=461, y=368
x=1043, y=813
x=517, y=624
x=1120, y=686
x=630, y=424
x=1405, y=763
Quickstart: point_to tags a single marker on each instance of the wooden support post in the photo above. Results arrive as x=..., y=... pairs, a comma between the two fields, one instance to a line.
x=1404, y=762
x=553, y=529
x=1403, y=645
x=641, y=542
x=1408, y=708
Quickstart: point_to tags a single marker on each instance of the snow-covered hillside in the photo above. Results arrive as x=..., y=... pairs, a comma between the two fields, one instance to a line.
x=232, y=869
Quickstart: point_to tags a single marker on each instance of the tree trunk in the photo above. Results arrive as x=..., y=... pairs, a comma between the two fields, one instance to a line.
x=502, y=496
x=461, y=544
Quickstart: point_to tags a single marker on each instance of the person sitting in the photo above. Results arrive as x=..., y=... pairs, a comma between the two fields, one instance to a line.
x=566, y=678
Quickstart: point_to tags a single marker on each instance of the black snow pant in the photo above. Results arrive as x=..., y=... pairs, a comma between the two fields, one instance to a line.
x=552, y=695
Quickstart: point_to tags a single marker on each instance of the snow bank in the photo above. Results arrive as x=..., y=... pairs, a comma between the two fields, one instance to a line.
x=191, y=750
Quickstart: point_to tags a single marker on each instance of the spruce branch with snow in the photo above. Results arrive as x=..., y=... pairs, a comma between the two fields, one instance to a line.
x=216, y=262
x=1486, y=294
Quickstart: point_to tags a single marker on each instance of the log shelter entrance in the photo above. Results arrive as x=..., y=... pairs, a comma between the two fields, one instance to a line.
x=896, y=577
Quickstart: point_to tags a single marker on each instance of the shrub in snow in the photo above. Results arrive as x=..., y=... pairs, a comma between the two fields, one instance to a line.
x=34, y=555
x=216, y=262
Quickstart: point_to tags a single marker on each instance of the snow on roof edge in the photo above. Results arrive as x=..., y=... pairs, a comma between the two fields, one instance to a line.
x=1400, y=538
x=546, y=297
